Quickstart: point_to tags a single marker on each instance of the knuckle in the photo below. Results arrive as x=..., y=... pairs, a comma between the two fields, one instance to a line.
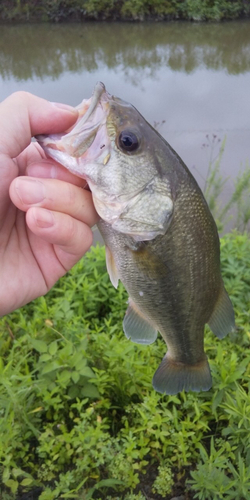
x=71, y=193
x=21, y=95
x=71, y=233
x=87, y=237
x=75, y=200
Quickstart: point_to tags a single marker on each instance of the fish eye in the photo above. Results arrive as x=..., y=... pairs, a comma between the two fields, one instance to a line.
x=128, y=141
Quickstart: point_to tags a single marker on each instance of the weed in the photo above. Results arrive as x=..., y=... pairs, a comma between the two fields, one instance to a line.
x=216, y=477
x=164, y=482
x=79, y=417
x=238, y=203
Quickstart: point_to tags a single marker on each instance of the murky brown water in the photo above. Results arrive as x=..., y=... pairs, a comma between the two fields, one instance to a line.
x=196, y=77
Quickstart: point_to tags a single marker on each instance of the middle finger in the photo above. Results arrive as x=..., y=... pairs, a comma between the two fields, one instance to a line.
x=55, y=195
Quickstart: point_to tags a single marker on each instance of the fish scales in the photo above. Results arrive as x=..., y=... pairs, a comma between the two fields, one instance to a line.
x=161, y=239
x=165, y=268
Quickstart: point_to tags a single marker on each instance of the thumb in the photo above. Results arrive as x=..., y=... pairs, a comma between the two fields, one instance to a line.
x=23, y=115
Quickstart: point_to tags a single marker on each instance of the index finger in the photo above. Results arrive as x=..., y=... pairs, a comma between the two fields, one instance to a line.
x=23, y=115
x=49, y=169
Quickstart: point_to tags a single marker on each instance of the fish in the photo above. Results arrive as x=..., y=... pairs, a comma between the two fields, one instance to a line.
x=160, y=236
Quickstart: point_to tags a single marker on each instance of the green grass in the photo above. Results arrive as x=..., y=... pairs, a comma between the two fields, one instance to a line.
x=79, y=417
x=236, y=209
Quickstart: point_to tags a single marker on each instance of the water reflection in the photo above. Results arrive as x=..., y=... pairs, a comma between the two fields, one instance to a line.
x=50, y=50
x=196, y=77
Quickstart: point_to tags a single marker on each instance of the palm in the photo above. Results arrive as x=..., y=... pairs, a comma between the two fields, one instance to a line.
x=32, y=261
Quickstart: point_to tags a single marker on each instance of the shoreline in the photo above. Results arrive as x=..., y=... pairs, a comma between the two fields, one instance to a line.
x=124, y=10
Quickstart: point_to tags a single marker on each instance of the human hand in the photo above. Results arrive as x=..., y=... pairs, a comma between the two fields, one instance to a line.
x=45, y=215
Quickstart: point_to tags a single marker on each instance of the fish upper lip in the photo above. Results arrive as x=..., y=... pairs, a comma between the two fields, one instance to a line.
x=99, y=90
x=86, y=127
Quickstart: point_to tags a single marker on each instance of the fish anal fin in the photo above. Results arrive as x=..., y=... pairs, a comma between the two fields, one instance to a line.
x=222, y=321
x=172, y=377
x=136, y=327
x=111, y=268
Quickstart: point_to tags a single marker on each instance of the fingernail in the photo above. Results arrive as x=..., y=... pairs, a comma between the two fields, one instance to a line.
x=65, y=107
x=44, y=218
x=30, y=191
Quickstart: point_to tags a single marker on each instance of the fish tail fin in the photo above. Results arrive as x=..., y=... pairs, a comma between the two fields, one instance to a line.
x=222, y=321
x=172, y=377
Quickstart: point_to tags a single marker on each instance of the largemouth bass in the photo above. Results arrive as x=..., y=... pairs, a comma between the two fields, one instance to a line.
x=161, y=239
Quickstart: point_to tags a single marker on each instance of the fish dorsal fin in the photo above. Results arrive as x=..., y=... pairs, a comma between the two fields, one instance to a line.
x=222, y=320
x=136, y=327
x=111, y=267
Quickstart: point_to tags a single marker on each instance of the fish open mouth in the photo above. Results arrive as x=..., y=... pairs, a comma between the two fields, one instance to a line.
x=87, y=141
x=98, y=149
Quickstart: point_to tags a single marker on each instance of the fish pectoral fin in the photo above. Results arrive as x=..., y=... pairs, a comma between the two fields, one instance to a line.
x=111, y=267
x=136, y=327
x=222, y=320
x=172, y=377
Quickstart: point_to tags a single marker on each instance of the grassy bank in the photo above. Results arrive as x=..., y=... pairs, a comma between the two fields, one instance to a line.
x=83, y=10
x=79, y=418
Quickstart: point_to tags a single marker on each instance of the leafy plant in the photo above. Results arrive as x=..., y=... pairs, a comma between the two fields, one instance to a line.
x=59, y=10
x=79, y=417
x=164, y=482
x=216, y=477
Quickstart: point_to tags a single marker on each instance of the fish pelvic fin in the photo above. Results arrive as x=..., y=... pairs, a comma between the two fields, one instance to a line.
x=111, y=267
x=222, y=320
x=172, y=377
x=136, y=327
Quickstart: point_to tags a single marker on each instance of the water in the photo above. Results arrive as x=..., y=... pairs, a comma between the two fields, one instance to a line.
x=194, y=77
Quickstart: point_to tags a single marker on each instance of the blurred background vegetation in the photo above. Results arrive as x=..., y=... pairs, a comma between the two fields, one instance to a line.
x=136, y=10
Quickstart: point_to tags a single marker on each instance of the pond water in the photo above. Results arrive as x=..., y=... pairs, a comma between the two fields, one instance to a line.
x=193, y=80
